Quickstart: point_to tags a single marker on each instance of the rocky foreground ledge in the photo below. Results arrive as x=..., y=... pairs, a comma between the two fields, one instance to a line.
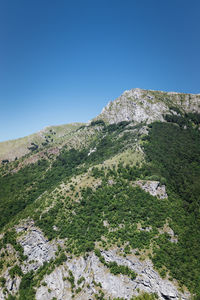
x=88, y=273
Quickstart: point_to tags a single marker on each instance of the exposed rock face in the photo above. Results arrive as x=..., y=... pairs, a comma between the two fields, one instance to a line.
x=170, y=232
x=12, y=285
x=188, y=102
x=91, y=151
x=37, y=248
x=132, y=106
x=113, y=286
x=139, y=105
x=152, y=187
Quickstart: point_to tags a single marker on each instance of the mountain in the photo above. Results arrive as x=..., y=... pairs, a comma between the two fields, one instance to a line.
x=108, y=209
x=52, y=135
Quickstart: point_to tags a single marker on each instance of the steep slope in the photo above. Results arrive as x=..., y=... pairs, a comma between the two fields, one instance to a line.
x=139, y=105
x=113, y=212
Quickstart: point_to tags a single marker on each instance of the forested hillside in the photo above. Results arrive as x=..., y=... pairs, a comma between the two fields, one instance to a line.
x=113, y=213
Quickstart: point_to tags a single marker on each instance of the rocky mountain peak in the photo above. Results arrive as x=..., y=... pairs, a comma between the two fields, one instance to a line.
x=140, y=105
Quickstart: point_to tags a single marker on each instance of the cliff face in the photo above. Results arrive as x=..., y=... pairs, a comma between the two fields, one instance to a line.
x=90, y=276
x=96, y=275
x=139, y=105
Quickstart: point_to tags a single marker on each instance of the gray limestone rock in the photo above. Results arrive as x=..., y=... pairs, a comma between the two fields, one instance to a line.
x=36, y=247
x=170, y=232
x=152, y=187
x=94, y=272
x=139, y=105
x=12, y=285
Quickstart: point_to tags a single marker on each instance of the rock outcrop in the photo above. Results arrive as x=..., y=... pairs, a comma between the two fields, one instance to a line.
x=95, y=275
x=12, y=285
x=36, y=247
x=167, y=229
x=152, y=187
x=139, y=105
x=88, y=274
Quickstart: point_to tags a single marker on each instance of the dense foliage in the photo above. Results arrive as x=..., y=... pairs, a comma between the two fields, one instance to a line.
x=118, y=204
x=174, y=153
x=19, y=189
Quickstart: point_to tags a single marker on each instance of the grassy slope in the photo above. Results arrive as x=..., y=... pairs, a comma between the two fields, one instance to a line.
x=19, y=147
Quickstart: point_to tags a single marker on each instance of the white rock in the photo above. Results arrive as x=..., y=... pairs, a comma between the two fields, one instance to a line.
x=91, y=151
x=152, y=187
x=148, y=280
x=36, y=247
x=139, y=105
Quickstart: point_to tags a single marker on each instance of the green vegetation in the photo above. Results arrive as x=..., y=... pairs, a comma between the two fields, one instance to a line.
x=10, y=238
x=19, y=147
x=174, y=153
x=145, y=296
x=11, y=297
x=26, y=288
x=115, y=212
x=2, y=281
x=98, y=122
x=188, y=119
x=32, y=280
x=118, y=204
x=20, y=189
x=71, y=279
x=100, y=295
x=16, y=270
x=80, y=280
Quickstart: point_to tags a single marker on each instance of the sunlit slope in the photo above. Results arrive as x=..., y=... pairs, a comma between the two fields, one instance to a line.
x=108, y=209
x=52, y=135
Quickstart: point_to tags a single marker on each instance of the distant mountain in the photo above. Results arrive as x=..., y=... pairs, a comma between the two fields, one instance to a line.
x=108, y=209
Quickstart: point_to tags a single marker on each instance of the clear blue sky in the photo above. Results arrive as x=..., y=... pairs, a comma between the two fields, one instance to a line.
x=61, y=61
